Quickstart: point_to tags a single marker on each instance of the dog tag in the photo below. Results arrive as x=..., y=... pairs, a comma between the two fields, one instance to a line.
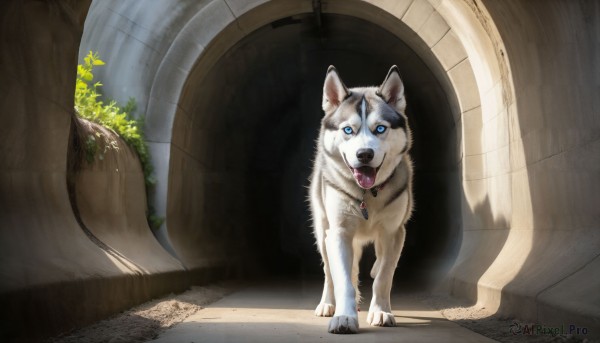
x=363, y=210
x=365, y=213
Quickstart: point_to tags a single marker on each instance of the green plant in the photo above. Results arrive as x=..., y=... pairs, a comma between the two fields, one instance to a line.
x=89, y=105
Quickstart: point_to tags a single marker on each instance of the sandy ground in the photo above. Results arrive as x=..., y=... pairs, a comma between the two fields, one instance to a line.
x=147, y=321
x=481, y=320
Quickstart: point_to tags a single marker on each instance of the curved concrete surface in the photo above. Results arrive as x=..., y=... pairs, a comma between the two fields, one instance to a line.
x=504, y=106
x=119, y=222
x=54, y=276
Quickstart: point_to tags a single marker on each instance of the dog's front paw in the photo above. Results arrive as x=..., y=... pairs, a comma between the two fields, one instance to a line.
x=325, y=310
x=380, y=318
x=343, y=325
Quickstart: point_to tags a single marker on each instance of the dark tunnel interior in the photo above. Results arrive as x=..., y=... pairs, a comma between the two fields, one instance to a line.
x=248, y=135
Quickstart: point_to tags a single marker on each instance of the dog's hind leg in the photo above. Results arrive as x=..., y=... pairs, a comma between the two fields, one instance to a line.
x=375, y=269
x=387, y=249
x=358, y=249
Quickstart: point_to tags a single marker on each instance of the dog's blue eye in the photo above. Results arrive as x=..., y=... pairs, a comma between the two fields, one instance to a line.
x=380, y=129
x=348, y=130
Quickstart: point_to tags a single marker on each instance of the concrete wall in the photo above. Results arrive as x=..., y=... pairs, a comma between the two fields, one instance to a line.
x=64, y=263
x=554, y=153
x=505, y=113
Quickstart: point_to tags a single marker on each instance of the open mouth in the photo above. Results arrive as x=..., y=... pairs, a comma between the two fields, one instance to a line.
x=365, y=176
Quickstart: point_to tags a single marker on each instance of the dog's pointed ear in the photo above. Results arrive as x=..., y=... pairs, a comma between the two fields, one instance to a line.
x=392, y=90
x=334, y=90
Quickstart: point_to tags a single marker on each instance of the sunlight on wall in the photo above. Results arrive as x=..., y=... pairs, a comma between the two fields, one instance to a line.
x=494, y=178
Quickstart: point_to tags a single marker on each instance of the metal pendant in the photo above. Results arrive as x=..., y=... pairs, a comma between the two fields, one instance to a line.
x=363, y=210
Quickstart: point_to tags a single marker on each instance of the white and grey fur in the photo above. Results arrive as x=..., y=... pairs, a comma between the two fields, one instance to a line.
x=341, y=230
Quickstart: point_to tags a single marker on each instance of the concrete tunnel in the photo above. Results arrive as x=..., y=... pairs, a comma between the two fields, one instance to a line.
x=502, y=100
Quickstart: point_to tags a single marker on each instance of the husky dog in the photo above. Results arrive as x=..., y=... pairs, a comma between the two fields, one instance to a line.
x=360, y=192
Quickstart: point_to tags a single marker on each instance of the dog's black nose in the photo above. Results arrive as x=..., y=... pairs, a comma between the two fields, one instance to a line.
x=365, y=155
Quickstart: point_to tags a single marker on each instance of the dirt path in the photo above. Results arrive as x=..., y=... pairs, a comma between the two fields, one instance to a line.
x=283, y=311
x=145, y=322
x=152, y=319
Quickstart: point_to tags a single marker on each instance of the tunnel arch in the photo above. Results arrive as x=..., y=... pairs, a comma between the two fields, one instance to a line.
x=468, y=46
x=255, y=117
x=441, y=46
x=447, y=38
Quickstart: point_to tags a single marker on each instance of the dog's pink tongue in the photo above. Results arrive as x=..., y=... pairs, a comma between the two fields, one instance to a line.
x=365, y=176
